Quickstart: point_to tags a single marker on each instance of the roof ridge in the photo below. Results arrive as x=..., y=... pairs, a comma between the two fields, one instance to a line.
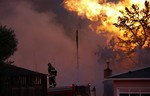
x=22, y=68
x=132, y=70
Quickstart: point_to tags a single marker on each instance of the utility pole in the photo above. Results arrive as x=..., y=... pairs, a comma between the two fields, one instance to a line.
x=77, y=49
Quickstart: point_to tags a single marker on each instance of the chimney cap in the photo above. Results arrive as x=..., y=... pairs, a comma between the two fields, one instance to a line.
x=108, y=64
x=107, y=71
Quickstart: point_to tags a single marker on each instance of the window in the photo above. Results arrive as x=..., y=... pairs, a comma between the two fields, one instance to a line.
x=145, y=94
x=132, y=91
x=129, y=94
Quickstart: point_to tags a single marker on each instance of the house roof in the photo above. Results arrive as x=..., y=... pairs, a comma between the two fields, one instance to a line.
x=15, y=71
x=140, y=73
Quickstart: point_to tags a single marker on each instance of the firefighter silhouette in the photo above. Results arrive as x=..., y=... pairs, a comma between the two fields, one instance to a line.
x=52, y=74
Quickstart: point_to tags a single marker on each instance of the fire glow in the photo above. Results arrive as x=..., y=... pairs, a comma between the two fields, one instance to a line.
x=101, y=12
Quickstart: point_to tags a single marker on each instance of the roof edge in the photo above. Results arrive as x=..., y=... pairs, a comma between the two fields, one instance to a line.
x=126, y=79
x=135, y=69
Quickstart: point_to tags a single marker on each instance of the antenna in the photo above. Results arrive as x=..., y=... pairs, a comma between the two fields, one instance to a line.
x=34, y=57
x=77, y=49
x=34, y=61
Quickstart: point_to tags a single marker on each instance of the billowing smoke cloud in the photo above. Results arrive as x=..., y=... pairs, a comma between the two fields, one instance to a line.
x=43, y=38
x=47, y=34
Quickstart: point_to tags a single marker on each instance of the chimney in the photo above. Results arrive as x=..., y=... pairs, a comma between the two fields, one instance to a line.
x=107, y=71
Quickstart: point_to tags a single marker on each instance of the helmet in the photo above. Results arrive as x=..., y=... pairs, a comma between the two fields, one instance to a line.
x=49, y=64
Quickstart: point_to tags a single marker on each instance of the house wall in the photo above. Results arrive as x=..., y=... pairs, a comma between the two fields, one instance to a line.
x=131, y=84
x=108, y=88
x=26, y=85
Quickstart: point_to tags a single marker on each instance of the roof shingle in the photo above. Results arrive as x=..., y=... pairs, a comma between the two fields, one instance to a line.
x=141, y=73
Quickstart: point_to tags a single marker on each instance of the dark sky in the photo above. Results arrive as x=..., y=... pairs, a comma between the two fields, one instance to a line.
x=46, y=33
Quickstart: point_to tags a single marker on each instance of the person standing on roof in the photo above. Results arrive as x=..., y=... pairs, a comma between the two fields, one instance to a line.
x=52, y=74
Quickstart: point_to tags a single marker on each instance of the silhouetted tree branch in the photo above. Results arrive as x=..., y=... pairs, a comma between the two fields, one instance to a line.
x=136, y=24
x=8, y=45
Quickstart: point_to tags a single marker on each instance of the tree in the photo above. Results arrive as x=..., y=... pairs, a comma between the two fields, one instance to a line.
x=8, y=43
x=135, y=23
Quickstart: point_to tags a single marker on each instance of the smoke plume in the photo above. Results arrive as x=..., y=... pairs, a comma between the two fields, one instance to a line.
x=46, y=33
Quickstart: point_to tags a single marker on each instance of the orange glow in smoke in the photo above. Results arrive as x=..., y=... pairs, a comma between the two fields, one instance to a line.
x=102, y=12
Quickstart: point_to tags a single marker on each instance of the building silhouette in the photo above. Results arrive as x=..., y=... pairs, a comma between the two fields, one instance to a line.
x=23, y=82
